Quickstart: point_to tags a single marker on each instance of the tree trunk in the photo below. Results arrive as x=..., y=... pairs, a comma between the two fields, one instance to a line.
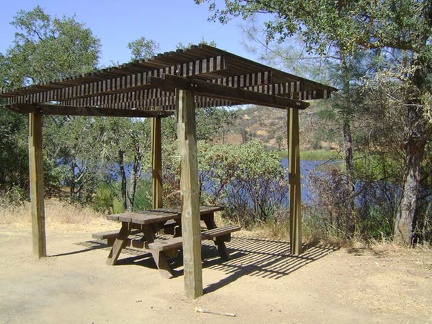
x=417, y=135
x=123, y=179
x=72, y=181
x=350, y=220
x=347, y=113
x=135, y=174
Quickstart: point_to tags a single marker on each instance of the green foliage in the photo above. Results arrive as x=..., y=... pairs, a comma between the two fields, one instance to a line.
x=69, y=144
x=250, y=182
x=210, y=123
x=203, y=41
x=319, y=155
x=56, y=48
x=376, y=166
x=103, y=200
x=143, y=49
x=107, y=199
x=13, y=154
x=383, y=48
x=143, y=195
x=44, y=49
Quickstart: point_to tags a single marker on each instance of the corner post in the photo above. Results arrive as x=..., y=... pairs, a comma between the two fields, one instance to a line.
x=294, y=181
x=156, y=131
x=37, y=185
x=191, y=232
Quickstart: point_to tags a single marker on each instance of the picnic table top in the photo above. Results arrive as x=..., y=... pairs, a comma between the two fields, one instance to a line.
x=157, y=215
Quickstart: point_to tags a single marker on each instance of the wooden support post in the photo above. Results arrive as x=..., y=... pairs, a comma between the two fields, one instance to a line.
x=294, y=181
x=37, y=185
x=191, y=232
x=156, y=132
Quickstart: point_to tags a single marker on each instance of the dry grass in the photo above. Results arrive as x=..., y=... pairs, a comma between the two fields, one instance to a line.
x=59, y=215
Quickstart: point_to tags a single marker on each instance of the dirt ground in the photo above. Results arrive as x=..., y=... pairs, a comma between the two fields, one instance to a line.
x=261, y=284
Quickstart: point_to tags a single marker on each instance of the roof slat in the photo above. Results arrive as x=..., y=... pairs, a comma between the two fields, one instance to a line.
x=125, y=86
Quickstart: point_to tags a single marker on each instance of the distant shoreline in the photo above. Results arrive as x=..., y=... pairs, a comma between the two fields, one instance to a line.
x=314, y=155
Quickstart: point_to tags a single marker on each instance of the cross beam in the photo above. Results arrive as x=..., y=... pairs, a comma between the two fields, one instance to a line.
x=84, y=111
x=212, y=90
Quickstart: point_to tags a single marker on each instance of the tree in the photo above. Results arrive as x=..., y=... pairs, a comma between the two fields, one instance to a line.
x=333, y=44
x=211, y=123
x=398, y=30
x=47, y=48
x=124, y=143
x=143, y=48
x=247, y=180
x=44, y=49
x=13, y=155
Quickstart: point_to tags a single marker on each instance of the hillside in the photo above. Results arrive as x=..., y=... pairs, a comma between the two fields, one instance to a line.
x=268, y=125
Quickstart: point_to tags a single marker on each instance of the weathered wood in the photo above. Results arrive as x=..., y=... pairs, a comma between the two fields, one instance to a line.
x=156, y=132
x=118, y=245
x=37, y=185
x=294, y=181
x=213, y=90
x=189, y=194
x=220, y=231
x=84, y=111
x=220, y=242
x=177, y=242
x=145, y=217
x=126, y=86
x=115, y=84
x=111, y=234
x=168, y=244
x=159, y=258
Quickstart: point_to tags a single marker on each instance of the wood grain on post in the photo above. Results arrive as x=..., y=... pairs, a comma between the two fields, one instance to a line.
x=37, y=185
x=294, y=181
x=191, y=231
x=157, y=162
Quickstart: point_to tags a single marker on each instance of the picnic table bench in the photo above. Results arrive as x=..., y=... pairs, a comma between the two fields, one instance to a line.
x=150, y=222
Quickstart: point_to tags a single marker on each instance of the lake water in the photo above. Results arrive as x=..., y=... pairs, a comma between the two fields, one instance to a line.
x=306, y=167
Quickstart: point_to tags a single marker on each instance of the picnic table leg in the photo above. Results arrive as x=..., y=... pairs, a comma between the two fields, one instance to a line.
x=158, y=256
x=118, y=244
x=222, y=249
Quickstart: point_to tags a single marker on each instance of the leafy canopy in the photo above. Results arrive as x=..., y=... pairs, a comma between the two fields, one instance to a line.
x=47, y=48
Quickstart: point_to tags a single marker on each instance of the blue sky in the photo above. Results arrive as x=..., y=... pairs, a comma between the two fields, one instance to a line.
x=117, y=22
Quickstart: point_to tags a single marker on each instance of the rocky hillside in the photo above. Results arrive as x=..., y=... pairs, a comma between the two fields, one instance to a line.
x=269, y=126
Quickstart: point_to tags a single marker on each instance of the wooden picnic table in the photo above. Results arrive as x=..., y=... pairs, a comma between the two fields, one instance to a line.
x=150, y=223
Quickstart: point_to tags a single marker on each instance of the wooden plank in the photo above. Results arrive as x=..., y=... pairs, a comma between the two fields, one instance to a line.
x=153, y=218
x=177, y=242
x=118, y=245
x=202, y=209
x=209, y=209
x=165, y=245
x=219, y=231
x=145, y=217
x=294, y=181
x=84, y=111
x=156, y=133
x=118, y=82
x=191, y=231
x=213, y=90
x=37, y=185
x=110, y=234
x=158, y=256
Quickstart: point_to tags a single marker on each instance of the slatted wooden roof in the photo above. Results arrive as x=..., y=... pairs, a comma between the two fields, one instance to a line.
x=147, y=87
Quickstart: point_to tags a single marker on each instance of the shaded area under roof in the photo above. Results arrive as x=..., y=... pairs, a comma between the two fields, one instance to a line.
x=217, y=77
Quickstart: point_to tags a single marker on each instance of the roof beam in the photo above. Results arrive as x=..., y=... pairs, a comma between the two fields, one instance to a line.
x=212, y=90
x=120, y=84
x=84, y=111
